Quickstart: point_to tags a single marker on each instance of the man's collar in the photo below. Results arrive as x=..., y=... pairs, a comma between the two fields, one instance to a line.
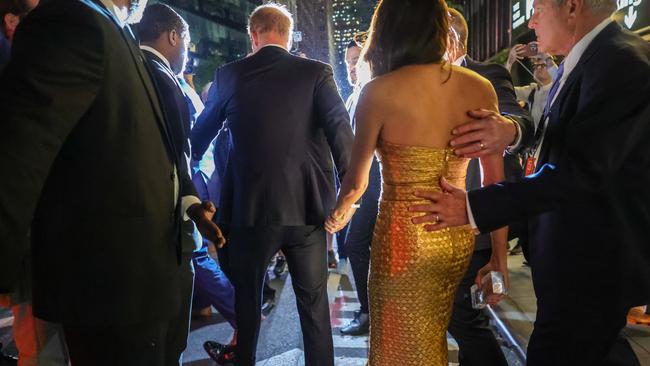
x=119, y=14
x=273, y=45
x=158, y=54
x=579, y=48
x=460, y=61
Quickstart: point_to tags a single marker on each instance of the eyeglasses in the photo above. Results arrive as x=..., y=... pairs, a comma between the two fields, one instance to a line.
x=538, y=66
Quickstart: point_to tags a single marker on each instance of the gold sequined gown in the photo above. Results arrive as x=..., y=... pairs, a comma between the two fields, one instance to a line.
x=414, y=274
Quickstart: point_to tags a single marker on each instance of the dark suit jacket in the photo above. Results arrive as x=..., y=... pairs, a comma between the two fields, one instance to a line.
x=589, y=206
x=88, y=163
x=501, y=80
x=177, y=114
x=176, y=111
x=286, y=121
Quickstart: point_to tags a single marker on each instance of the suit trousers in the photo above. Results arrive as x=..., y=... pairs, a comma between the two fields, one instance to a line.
x=249, y=252
x=212, y=287
x=179, y=326
x=579, y=333
x=357, y=244
x=476, y=342
x=140, y=344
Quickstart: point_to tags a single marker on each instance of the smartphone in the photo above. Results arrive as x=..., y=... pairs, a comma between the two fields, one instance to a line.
x=531, y=49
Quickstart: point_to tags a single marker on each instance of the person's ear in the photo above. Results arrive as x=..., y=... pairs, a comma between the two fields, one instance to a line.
x=173, y=38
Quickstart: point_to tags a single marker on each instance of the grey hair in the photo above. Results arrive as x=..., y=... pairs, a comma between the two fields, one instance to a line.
x=597, y=6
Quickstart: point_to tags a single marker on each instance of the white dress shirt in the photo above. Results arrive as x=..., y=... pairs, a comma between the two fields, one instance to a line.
x=570, y=63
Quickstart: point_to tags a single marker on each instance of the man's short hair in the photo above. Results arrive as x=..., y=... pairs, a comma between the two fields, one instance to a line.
x=597, y=6
x=459, y=24
x=158, y=19
x=271, y=17
x=19, y=8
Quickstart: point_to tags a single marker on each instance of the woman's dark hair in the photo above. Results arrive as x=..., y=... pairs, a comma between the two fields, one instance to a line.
x=406, y=32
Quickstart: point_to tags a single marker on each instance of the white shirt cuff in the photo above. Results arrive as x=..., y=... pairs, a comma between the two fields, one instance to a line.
x=470, y=215
x=186, y=202
x=515, y=146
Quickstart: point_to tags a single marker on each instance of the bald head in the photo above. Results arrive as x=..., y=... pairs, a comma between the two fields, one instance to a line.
x=270, y=24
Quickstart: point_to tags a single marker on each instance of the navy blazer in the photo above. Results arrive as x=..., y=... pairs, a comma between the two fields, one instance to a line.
x=589, y=204
x=287, y=124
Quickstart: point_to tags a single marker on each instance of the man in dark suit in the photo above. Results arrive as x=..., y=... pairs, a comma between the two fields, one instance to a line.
x=470, y=327
x=287, y=123
x=587, y=204
x=93, y=184
x=164, y=36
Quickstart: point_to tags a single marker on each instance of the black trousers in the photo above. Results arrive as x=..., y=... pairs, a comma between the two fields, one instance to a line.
x=571, y=330
x=179, y=326
x=359, y=235
x=476, y=342
x=305, y=248
x=133, y=345
x=357, y=244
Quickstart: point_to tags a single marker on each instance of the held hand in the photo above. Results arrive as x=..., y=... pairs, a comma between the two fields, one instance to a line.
x=447, y=209
x=488, y=133
x=202, y=215
x=337, y=221
x=498, y=266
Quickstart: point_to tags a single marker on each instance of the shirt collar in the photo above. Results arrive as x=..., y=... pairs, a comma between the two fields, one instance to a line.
x=579, y=49
x=460, y=61
x=160, y=55
x=119, y=14
x=274, y=45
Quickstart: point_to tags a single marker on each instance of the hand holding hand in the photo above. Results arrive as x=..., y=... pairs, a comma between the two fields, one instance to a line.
x=337, y=221
x=488, y=133
x=447, y=209
x=202, y=215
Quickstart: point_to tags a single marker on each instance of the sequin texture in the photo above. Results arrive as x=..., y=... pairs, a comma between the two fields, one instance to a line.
x=414, y=274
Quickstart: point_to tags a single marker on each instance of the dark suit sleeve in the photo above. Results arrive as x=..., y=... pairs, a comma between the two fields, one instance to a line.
x=508, y=105
x=605, y=155
x=335, y=119
x=53, y=77
x=210, y=121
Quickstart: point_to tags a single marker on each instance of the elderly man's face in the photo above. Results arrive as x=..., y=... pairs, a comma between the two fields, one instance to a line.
x=553, y=26
x=351, y=60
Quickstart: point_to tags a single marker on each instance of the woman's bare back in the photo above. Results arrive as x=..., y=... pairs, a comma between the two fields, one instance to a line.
x=421, y=104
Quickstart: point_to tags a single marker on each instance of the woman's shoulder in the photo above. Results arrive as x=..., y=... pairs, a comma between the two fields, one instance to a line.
x=467, y=76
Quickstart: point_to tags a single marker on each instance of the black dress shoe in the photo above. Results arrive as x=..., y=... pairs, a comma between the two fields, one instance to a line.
x=220, y=353
x=360, y=325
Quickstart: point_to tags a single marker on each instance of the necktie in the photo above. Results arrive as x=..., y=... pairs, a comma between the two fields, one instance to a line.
x=554, y=88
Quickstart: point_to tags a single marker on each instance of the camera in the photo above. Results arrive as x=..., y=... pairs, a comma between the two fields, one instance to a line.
x=531, y=49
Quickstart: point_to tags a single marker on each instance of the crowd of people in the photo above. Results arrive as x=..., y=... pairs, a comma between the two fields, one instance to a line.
x=120, y=177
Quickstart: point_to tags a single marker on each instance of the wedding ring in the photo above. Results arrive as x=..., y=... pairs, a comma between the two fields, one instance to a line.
x=437, y=219
x=482, y=145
